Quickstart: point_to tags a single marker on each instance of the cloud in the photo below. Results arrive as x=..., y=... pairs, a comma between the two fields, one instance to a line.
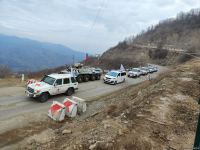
x=85, y=25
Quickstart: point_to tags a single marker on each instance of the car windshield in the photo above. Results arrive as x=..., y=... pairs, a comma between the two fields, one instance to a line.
x=144, y=68
x=135, y=70
x=48, y=80
x=113, y=74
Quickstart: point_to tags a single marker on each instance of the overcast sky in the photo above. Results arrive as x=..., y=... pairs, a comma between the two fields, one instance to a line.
x=85, y=25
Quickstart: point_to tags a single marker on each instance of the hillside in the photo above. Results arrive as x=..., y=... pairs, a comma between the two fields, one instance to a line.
x=182, y=32
x=21, y=54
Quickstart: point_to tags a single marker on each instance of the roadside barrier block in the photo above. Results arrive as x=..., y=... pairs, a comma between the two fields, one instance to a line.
x=70, y=107
x=57, y=111
x=82, y=106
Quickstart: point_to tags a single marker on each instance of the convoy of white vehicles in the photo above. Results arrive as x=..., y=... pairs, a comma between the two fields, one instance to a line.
x=137, y=72
x=67, y=80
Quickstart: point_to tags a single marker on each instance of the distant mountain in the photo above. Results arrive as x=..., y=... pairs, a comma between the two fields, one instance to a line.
x=21, y=54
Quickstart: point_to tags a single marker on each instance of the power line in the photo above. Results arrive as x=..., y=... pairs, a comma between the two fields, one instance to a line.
x=98, y=14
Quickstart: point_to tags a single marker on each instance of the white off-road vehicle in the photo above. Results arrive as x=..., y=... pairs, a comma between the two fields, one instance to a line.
x=114, y=77
x=52, y=84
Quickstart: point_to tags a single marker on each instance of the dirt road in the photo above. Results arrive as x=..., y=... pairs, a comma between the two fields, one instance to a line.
x=16, y=110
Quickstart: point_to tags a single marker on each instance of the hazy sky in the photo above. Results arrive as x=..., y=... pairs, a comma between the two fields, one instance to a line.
x=85, y=25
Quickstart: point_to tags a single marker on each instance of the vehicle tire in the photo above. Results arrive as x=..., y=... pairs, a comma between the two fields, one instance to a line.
x=92, y=77
x=115, y=82
x=70, y=91
x=98, y=77
x=79, y=79
x=86, y=78
x=43, y=97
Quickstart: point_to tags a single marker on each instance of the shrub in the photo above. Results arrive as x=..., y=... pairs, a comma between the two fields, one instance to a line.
x=5, y=71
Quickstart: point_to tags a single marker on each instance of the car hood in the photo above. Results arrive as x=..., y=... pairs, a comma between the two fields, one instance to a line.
x=143, y=70
x=38, y=85
x=111, y=77
x=132, y=72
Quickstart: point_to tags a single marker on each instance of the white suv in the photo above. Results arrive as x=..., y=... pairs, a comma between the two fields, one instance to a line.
x=114, y=77
x=52, y=85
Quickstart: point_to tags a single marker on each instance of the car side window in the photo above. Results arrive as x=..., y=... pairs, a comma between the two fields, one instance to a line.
x=123, y=74
x=66, y=81
x=59, y=82
x=119, y=74
x=73, y=80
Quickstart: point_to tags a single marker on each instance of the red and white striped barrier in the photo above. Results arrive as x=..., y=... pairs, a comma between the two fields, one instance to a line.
x=71, y=107
x=57, y=111
x=31, y=81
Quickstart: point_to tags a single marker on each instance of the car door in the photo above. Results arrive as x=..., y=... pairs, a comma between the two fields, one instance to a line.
x=119, y=79
x=66, y=84
x=123, y=76
x=74, y=83
x=58, y=87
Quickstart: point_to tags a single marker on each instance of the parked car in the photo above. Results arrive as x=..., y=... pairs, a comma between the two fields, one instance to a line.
x=115, y=77
x=52, y=84
x=153, y=68
x=144, y=71
x=134, y=72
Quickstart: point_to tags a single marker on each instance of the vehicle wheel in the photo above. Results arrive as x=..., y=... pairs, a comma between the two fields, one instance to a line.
x=70, y=91
x=86, y=78
x=92, y=77
x=43, y=97
x=115, y=82
x=79, y=79
x=98, y=77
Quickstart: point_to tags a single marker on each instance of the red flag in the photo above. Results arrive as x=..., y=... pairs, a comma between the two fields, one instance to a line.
x=86, y=57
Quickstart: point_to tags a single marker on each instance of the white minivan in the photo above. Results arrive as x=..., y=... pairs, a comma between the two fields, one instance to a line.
x=114, y=77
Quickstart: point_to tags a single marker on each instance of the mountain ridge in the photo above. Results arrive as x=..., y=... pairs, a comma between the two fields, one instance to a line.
x=20, y=54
